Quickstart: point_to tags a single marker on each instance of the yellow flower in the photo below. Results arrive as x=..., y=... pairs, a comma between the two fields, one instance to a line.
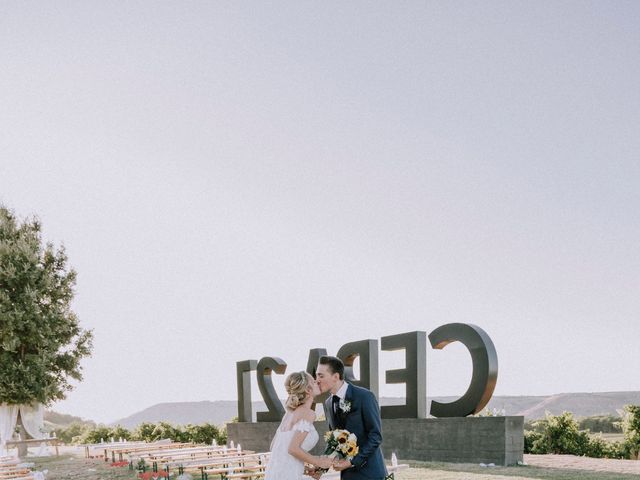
x=352, y=451
x=343, y=437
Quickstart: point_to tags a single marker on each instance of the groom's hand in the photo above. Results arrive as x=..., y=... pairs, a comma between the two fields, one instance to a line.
x=342, y=465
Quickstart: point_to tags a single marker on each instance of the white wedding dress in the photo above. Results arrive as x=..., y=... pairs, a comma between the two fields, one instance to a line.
x=282, y=465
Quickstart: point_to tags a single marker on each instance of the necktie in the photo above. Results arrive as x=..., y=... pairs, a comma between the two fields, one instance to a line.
x=336, y=401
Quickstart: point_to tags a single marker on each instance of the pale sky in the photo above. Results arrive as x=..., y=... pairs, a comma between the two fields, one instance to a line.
x=239, y=179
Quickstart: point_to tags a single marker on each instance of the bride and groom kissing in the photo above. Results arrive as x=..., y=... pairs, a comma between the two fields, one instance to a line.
x=348, y=407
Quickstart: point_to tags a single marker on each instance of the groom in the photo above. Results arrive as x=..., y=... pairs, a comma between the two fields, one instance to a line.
x=354, y=409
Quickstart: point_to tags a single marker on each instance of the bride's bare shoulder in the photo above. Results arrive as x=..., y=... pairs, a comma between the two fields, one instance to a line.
x=309, y=415
x=303, y=414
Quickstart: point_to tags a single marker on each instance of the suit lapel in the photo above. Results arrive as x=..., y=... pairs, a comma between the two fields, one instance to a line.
x=348, y=399
x=349, y=394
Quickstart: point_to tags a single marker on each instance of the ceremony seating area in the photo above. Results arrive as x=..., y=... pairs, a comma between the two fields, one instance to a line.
x=167, y=457
x=94, y=450
x=12, y=468
x=205, y=461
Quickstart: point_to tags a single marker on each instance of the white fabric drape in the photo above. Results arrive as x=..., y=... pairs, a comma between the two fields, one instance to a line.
x=33, y=419
x=8, y=420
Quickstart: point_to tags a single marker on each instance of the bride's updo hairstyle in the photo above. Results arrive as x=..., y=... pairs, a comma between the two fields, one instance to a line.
x=296, y=384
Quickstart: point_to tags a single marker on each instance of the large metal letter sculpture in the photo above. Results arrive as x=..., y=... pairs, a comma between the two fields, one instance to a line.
x=414, y=375
x=483, y=380
x=367, y=350
x=312, y=366
x=243, y=376
x=265, y=366
x=485, y=368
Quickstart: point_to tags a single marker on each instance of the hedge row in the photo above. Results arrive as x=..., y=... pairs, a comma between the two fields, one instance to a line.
x=77, y=433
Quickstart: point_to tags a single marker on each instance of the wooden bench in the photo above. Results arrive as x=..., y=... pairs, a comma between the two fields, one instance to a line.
x=250, y=465
x=92, y=450
x=124, y=449
x=198, y=455
x=11, y=468
x=188, y=452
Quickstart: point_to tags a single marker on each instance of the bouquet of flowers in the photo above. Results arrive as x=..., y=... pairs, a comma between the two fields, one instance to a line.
x=341, y=444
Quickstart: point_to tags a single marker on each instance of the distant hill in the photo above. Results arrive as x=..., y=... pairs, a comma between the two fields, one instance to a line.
x=180, y=413
x=53, y=420
x=532, y=407
x=581, y=404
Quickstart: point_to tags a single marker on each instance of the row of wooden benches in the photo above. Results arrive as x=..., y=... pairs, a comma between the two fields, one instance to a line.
x=11, y=468
x=206, y=461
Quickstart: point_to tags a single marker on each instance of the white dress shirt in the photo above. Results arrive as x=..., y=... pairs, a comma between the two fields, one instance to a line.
x=342, y=391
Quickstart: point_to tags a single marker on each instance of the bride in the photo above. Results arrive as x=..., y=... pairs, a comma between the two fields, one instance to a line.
x=296, y=434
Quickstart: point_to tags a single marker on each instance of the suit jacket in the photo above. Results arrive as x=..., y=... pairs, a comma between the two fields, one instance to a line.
x=363, y=420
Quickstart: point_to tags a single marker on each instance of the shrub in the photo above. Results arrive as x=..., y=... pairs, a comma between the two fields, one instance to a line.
x=561, y=434
x=530, y=439
x=149, y=432
x=119, y=432
x=143, y=431
x=95, y=434
x=600, y=423
x=204, y=433
x=598, y=447
x=72, y=432
x=631, y=429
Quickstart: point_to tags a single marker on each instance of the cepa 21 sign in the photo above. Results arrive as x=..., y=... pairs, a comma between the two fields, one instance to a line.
x=413, y=375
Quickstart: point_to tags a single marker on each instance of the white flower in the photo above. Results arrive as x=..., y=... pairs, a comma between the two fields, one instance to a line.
x=345, y=405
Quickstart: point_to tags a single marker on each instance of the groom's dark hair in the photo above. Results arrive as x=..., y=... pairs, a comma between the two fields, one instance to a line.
x=334, y=364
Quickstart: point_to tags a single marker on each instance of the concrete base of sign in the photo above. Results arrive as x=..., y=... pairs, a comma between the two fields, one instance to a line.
x=498, y=440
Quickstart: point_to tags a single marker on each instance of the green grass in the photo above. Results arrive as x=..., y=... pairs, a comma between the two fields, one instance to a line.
x=67, y=467
x=522, y=472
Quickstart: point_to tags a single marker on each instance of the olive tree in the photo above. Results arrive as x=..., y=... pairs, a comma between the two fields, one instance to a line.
x=41, y=341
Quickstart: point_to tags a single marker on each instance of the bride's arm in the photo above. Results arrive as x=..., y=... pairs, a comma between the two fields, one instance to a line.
x=296, y=450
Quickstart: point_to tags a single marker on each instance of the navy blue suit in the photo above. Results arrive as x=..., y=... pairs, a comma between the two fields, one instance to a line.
x=363, y=420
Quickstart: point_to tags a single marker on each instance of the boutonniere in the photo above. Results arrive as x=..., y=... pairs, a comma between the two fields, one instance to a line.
x=345, y=405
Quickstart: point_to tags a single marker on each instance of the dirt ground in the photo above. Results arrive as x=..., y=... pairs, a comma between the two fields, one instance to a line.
x=71, y=465
x=584, y=463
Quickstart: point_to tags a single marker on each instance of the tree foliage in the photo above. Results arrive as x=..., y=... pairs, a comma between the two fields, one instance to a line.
x=41, y=341
x=601, y=423
x=560, y=434
x=149, y=432
x=631, y=428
